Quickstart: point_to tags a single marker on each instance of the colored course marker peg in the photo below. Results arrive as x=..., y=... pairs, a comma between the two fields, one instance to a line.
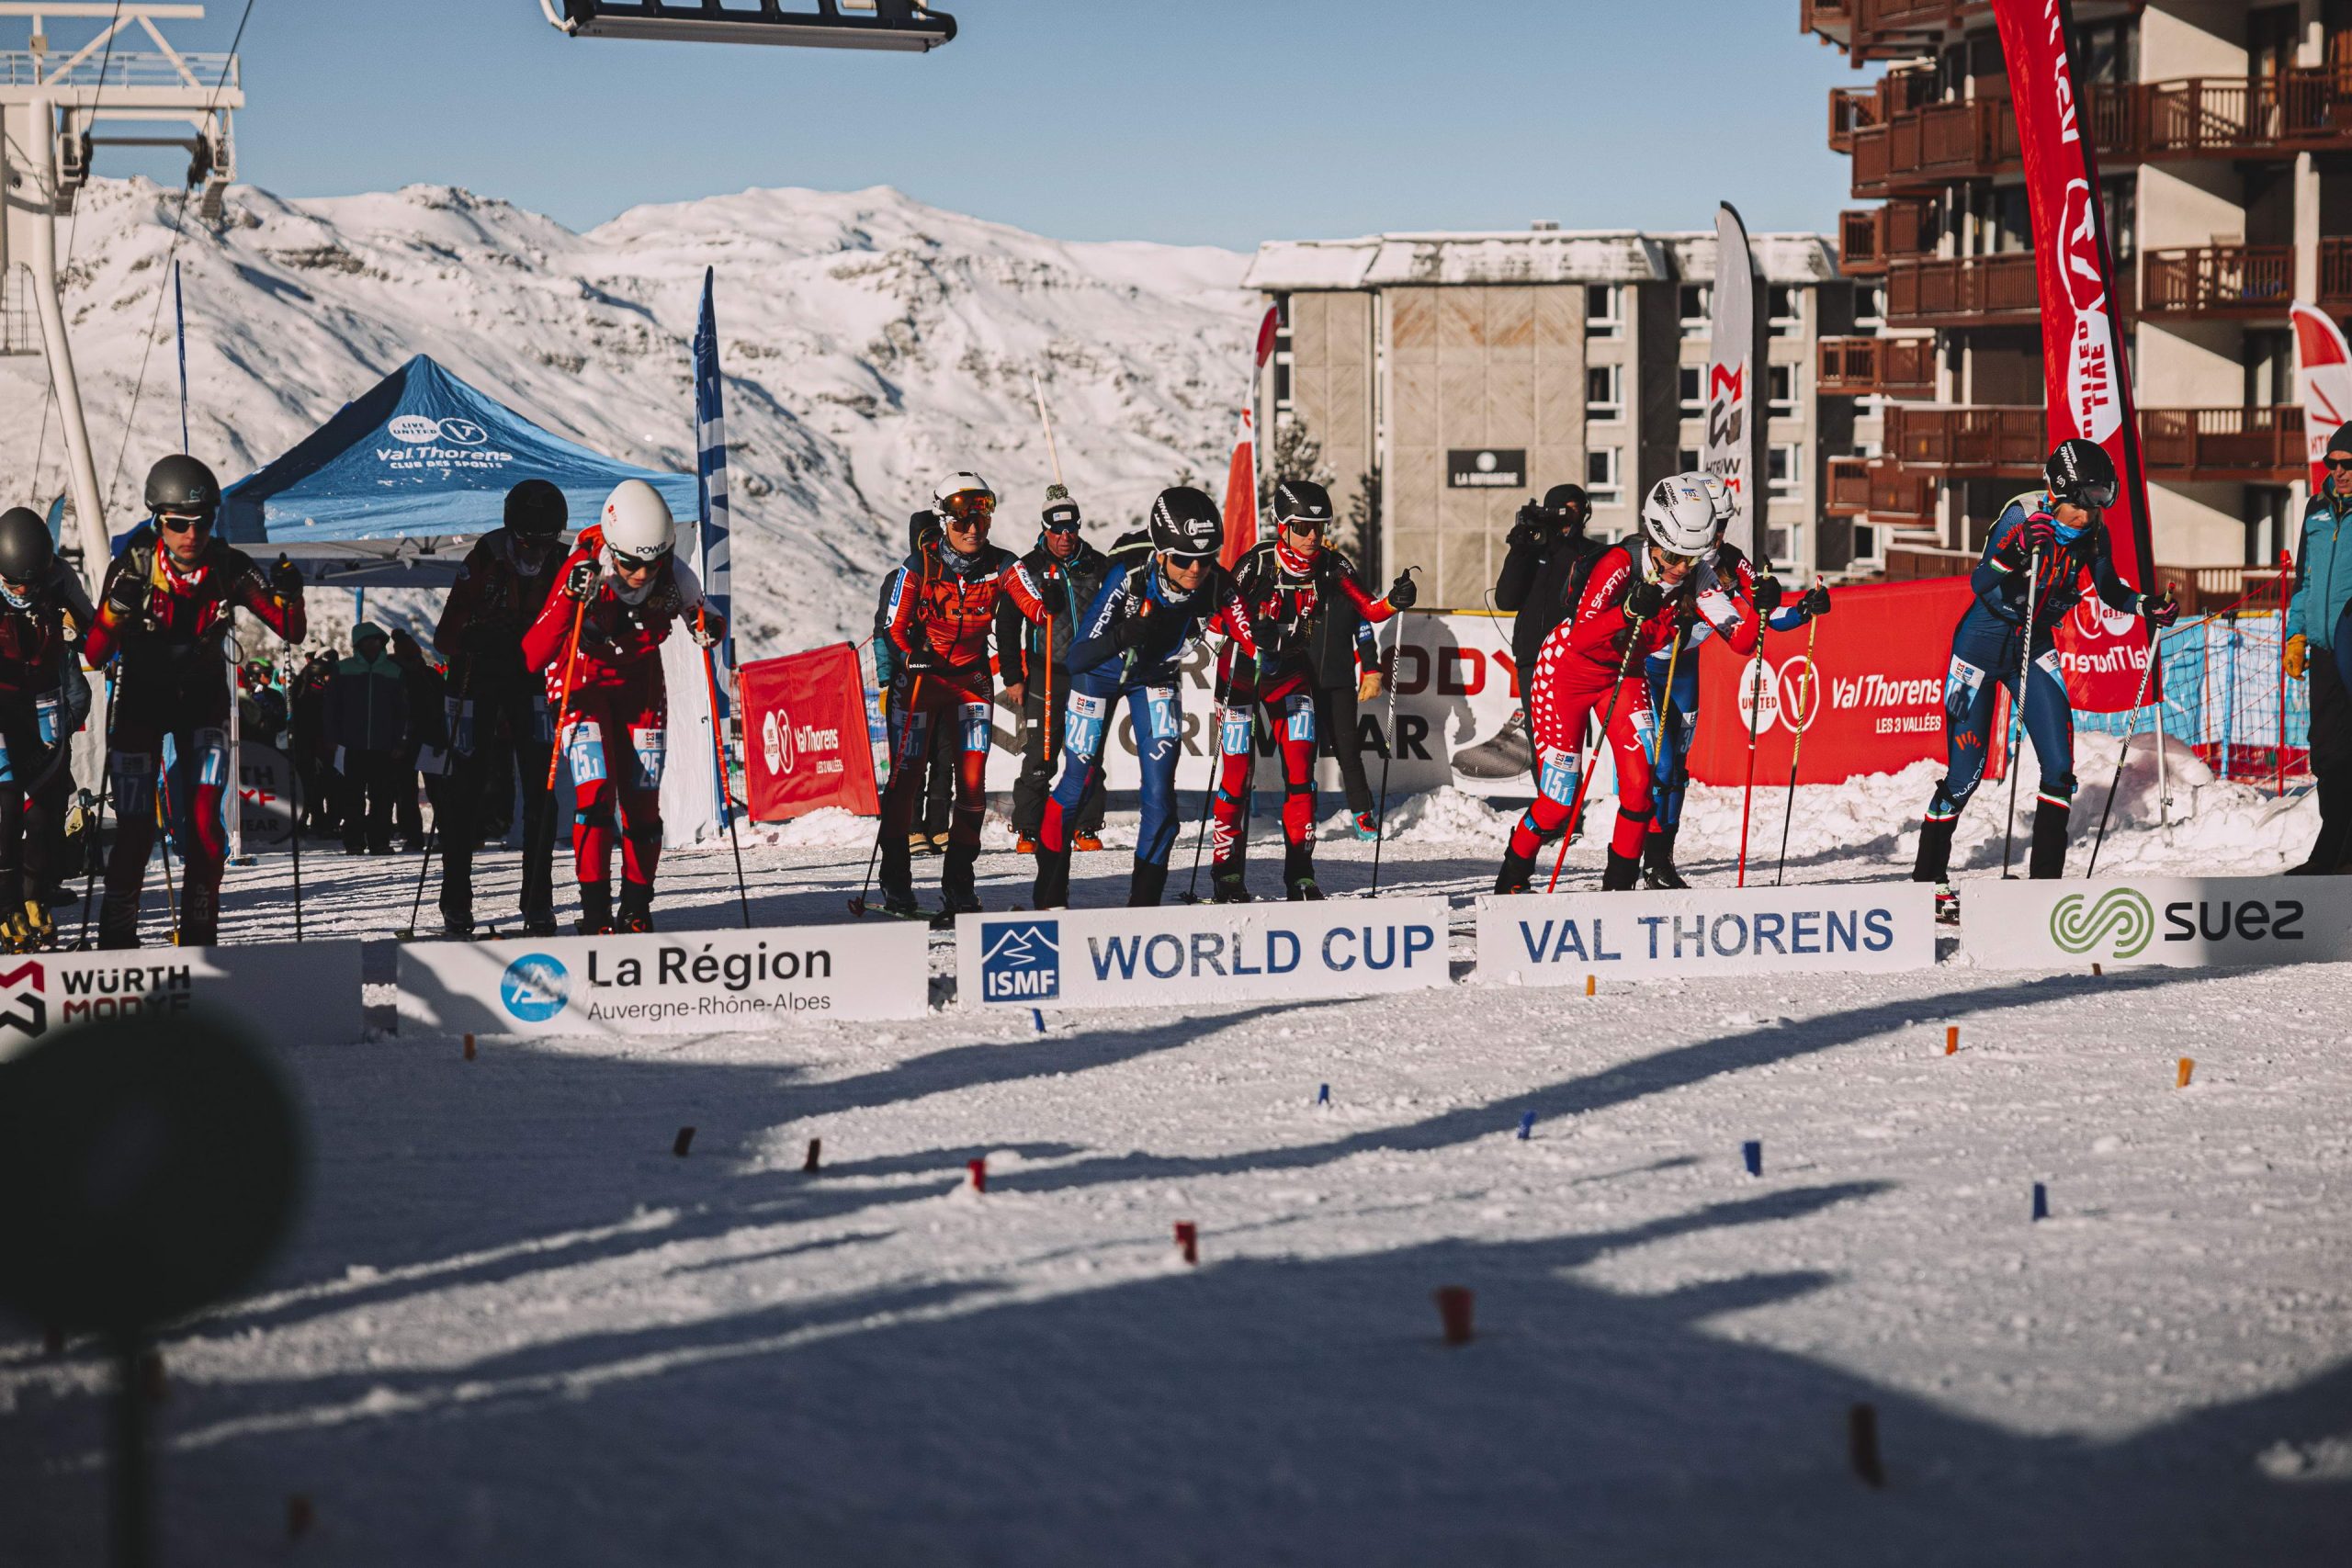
x=1037, y=1019
x=816, y=1147
x=978, y=1169
x=469, y=1048
x=2188, y=1067
x=1323, y=1095
x=1752, y=1153
x=2041, y=1201
x=1188, y=1241
x=300, y=1517
x=1862, y=1444
x=1952, y=1038
x=1453, y=1312
x=1526, y=1125
x=1591, y=985
x=685, y=1141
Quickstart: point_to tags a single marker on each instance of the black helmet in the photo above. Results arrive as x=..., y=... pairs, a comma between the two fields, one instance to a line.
x=2080, y=471
x=180, y=483
x=1184, y=524
x=1559, y=498
x=535, y=509
x=1303, y=501
x=27, y=551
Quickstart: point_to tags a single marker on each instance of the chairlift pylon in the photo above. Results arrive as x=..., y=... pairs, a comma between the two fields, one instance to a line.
x=903, y=25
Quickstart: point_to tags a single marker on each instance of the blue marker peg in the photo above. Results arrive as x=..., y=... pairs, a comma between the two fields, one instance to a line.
x=1038, y=1016
x=1323, y=1095
x=1526, y=1125
x=1752, y=1152
x=2041, y=1201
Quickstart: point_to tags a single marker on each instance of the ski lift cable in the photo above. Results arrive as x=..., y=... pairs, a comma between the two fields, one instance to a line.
x=73, y=237
x=179, y=229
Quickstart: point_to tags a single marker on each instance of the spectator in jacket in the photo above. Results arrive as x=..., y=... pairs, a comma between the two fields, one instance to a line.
x=368, y=720
x=424, y=686
x=1032, y=663
x=315, y=775
x=1544, y=551
x=2319, y=620
x=940, y=753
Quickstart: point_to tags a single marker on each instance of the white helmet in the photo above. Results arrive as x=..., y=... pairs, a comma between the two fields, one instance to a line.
x=960, y=493
x=1727, y=505
x=1679, y=515
x=636, y=522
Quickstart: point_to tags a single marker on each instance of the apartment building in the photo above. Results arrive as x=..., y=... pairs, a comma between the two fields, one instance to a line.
x=1449, y=377
x=2224, y=139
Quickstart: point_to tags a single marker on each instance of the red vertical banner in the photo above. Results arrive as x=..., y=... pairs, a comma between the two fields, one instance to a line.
x=2323, y=373
x=1241, y=497
x=2086, y=370
x=804, y=742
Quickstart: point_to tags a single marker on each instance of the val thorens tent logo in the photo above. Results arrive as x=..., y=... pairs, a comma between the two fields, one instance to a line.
x=2122, y=916
x=25, y=1009
x=1020, y=961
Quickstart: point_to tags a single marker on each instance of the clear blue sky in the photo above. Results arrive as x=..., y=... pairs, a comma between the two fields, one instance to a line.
x=1219, y=121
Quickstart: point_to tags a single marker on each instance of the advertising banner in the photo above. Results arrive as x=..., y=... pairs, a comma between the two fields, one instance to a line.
x=682, y=983
x=2086, y=373
x=1868, y=699
x=1208, y=953
x=805, y=735
x=1732, y=428
x=266, y=788
x=2177, y=921
x=2324, y=377
x=287, y=993
x=1558, y=939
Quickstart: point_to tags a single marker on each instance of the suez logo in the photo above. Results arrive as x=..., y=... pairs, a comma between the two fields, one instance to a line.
x=2122, y=921
x=86, y=993
x=782, y=743
x=1020, y=961
x=537, y=985
x=1801, y=933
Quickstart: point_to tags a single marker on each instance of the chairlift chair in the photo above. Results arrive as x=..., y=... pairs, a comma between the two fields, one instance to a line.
x=904, y=24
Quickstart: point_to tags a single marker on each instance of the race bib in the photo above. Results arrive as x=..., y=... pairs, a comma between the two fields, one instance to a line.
x=586, y=749
x=211, y=748
x=1559, y=778
x=1082, y=724
x=1233, y=732
x=1298, y=717
x=653, y=748
x=1161, y=715
x=975, y=727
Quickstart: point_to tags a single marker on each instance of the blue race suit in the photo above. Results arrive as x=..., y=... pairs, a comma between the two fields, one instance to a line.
x=1144, y=674
x=1987, y=649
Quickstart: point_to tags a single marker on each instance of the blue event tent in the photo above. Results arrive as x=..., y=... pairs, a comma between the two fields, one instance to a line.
x=392, y=488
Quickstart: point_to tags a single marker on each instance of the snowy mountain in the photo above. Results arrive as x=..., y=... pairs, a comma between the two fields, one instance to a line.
x=872, y=343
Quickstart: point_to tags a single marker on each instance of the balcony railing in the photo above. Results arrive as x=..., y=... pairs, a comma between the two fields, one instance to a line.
x=1877, y=367
x=2335, y=274
x=1956, y=289
x=1884, y=490
x=2203, y=117
x=1985, y=442
x=2221, y=280
x=2259, y=444
x=1870, y=237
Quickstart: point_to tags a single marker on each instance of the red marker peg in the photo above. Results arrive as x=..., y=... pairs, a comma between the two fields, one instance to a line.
x=816, y=1147
x=1454, y=1311
x=979, y=1169
x=469, y=1048
x=300, y=1517
x=685, y=1141
x=1951, y=1038
x=1188, y=1240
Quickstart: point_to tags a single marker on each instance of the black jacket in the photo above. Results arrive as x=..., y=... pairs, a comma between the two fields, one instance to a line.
x=1068, y=588
x=1535, y=585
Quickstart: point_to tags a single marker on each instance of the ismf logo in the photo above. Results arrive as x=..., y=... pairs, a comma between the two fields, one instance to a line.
x=22, y=1006
x=1020, y=961
x=535, y=987
x=2121, y=920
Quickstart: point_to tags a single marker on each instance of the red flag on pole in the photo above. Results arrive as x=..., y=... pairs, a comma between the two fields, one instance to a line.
x=1240, y=496
x=2324, y=366
x=2086, y=373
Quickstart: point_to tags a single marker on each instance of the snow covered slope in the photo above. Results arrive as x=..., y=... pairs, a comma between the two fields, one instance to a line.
x=874, y=344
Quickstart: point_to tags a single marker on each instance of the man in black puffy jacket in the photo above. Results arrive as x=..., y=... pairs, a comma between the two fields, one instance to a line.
x=1033, y=667
x=1546, y=556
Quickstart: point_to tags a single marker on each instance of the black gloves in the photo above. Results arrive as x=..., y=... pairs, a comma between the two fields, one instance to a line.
x=1402, y=594
x=1130, y=631
x=1815, y=601
x=581, y=582
x=2160, y=608
x=919, y=659
x=1767, y=594
x=286, y=579
x=1647, y=599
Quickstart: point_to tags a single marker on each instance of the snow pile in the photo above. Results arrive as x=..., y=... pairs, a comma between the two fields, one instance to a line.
x=872, y=344
x=1448, y=816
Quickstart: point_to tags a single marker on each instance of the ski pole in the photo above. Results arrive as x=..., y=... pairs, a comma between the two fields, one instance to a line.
x=1216, y=759
x=96, y=829
x=1584, y=776
x=171, y=900
x=563, y=703
x=294, y=809
x=719, y=744
x=1754, y=712
x=432, y=829
x=898, y=761
x=1796, y=750
x=1389, y=754
x=2138, y=700
x=2017, y=707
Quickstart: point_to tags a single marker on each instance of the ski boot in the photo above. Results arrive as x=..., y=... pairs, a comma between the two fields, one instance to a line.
x=1517, y=872
x=1657, y=862
x=1085, y=843
x=1366, y=826
x=956, y=893
x=30, y=930
x=2048, y=859
x=918, y=844
x=1947, y=905
x=538, y=922
x=1934, y=864
x=457, y=919
x=1051, y=890
x=636, y=908
x=1146, y=884
x=1299, y=875
x=595, y=910
x=118, y=920
x=1621, y=873
x=1228, y=885
x=1025, y=844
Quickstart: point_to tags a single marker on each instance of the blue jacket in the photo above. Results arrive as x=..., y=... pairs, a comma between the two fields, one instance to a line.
x=2322, y=572
x=2000, y=577
x=1099, y=667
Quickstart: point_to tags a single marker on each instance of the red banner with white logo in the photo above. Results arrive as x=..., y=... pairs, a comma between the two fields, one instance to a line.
x=804, y=735
x=2086, y=373
x=1867, y=695
x=2324, y=372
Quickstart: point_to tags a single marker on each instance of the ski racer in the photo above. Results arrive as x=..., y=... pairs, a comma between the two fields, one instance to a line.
x=165, y=612
x=500, y=720
x=1033, y=659
x=1289, y=584
x=941, y=610
x=2042, y=549
x=1631, y=603
x=599, y=641
x=44, y=697
x=1131, y=638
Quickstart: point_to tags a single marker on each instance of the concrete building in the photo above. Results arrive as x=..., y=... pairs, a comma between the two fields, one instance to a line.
x=2224, y=138
x=1451, y=377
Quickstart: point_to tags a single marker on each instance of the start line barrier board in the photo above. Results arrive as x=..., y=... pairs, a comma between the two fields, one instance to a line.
x=287, y=993
x=681, y=982
x=1212, y=952
x=1810, y=928
x=2175, y=922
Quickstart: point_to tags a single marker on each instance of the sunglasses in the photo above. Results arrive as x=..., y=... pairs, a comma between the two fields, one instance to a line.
x=1304, y=524
x=180, y=523
x=1669, y=558
x=635, y=563
x=2338, y=464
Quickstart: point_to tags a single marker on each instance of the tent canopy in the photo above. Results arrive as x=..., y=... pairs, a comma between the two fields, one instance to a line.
x=392, y=490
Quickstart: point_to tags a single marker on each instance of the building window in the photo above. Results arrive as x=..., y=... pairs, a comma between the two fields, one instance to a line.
x=1690, y=387
x=1783, y=468
x=1282, y=357
x=1870, y=305
x=1686, y=460
x=1604, y=310
x=1604, y=391
x=2120, y=201
x=1780, y=546
x=1784, y=310
x=1780, y=383
x=1865, y=541
x=1601, y=479
x=1697, y=309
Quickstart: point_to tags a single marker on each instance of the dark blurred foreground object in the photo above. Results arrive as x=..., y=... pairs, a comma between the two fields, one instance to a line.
x=151, y=1166
x=904, y=24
